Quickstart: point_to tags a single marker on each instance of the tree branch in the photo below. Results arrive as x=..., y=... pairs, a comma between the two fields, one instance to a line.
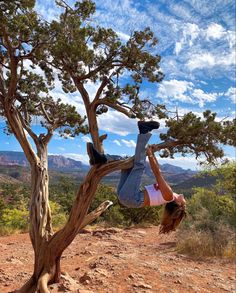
x=99, y=91
x=2, y=83
x=83, y=92
x=7, y=67
x=116, y=107
x=167, y=144
x=96, y=213
x=46, y=114
x=28, y=129
x=16, y=125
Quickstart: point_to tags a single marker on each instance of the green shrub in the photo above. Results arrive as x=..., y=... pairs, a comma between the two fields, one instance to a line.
x=209, y=228
x=58, y=215
x=15, y=219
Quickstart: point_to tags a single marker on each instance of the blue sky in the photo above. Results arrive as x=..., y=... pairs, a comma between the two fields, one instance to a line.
x=197, y=45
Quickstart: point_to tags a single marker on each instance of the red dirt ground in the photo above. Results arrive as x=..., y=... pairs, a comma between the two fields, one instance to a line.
x=135, y=260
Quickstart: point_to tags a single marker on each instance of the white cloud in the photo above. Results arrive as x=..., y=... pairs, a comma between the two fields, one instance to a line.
x=199, y=61
x=61, y=148
x=208, y=60
x=203, y=97
x=175, y=89
x=117, y=123
x=123, y=36
x=116, y=141
x=129, y=143
x=86, y=139
x=57, y=136
x=231, y=93
x=183, y=162
x=178, y=47
x=184, y=91
x=215, y=31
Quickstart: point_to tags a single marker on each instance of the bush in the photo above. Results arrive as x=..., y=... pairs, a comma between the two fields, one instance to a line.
x=209, y=229
x=15, y=219
x=58, y=216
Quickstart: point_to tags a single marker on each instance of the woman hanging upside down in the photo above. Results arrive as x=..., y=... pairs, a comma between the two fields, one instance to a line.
x=159, y=193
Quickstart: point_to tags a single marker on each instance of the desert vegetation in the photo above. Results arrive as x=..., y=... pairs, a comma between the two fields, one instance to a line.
x=76, y=52
x=208, y=230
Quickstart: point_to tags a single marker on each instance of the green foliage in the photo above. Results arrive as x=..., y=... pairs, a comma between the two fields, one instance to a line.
x=113, y=216
x=226, y=183
x=14, y=195
x=14, y=213
x=58, y=216
x=24, y=36
x=206, y=209
x=83, y=52
x=200, y=137
x=63, y=193
x=15, y=218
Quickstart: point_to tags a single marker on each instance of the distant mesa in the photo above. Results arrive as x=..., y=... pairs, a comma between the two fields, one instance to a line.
x=8, y=158
x=58, y=163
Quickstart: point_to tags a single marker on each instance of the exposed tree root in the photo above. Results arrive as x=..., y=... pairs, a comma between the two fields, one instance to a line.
x=43, y=283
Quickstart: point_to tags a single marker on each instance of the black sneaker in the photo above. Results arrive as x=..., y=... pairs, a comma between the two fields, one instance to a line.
x=94, y=156
x=147, y=126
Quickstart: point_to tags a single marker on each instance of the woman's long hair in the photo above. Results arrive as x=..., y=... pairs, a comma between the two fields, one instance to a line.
x=172, y=216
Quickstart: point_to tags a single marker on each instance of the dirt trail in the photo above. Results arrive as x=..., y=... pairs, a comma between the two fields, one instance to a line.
x=136, y=260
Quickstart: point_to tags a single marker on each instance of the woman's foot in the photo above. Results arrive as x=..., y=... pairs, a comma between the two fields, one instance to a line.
x=94, y=156
x=147, y=126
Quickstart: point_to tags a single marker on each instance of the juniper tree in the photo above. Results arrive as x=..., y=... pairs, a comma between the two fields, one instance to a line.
x=76, y=51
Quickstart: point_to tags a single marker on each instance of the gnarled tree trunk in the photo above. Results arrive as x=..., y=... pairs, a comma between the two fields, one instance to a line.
x=48, y=248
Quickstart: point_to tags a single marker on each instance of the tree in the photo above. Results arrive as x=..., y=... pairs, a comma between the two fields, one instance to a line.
x=78, y=52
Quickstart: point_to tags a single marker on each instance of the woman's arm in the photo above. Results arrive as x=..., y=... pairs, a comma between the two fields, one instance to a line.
x=164, y=187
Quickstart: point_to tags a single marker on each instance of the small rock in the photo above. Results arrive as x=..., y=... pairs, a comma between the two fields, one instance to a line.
x=92, y=265
x=141, y=232
x=142, y=286
x=85, y=279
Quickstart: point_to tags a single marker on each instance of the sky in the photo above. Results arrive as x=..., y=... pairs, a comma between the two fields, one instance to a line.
x=197, y=43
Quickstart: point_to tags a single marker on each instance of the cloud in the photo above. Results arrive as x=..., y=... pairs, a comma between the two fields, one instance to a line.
x=117, y=123
x=175, y=89
x=61, y=148
x=231, y=94
x=129, y=143
x=202, y=97
x=208, y=60
x=116, y=141
x=215, y=31
x=123, y=36
x=184, y=91
x=57, y=136
x=86, y=139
